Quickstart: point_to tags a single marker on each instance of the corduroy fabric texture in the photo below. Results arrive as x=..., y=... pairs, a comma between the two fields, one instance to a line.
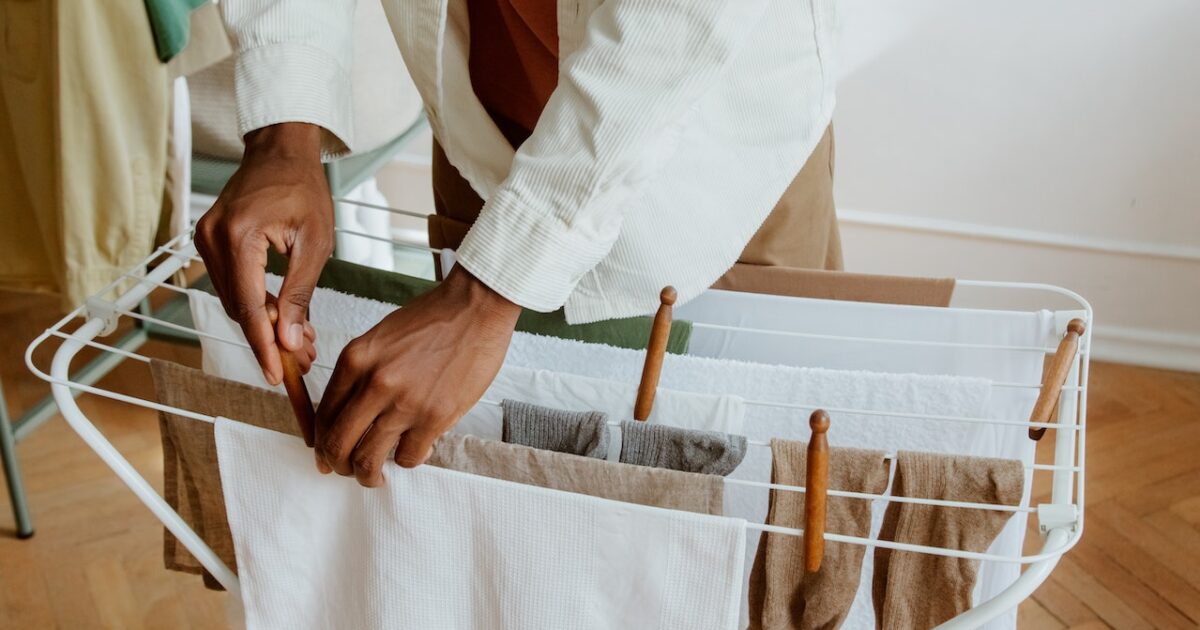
x=576, y=432
x=916, y=590
x=396, y=288
x=675, y=448
x=782, y=594
x=671, y=489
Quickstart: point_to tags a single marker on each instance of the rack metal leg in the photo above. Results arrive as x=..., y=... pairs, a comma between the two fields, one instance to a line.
x=12, y=472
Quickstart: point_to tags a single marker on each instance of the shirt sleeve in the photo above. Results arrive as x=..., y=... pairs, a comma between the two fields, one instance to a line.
x=292, y=64
x=640, y=66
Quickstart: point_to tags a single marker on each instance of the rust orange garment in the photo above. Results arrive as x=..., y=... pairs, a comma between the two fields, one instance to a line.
x=514, y=61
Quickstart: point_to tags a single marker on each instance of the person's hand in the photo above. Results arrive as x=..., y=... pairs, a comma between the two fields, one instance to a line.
x=412, y=376
x=277, y=198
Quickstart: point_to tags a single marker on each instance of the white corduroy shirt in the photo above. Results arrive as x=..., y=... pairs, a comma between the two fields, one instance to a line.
x=675, y=127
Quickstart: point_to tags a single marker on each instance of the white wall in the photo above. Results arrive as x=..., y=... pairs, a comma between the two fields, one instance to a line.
x=1055, y=142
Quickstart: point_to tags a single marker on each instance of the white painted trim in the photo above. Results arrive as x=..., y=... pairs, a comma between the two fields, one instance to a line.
x=1019, y=235
x=1139, y=346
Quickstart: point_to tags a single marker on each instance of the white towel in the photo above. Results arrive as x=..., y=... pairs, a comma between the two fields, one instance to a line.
x=891, y=321
x=437, y=548
x=911, y=393
x=339, y=318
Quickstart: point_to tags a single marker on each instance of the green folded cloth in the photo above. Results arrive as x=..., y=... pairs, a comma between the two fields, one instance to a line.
x=170, y=22
x=397, y=288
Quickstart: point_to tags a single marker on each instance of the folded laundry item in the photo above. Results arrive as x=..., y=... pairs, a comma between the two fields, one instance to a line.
x=316, y=551
x=655, y=487
x=674, y=448
x=576, y=432
x=922, y=395
x=917, y=590
x=782, y=594
x=399, y=289
x=836, y=285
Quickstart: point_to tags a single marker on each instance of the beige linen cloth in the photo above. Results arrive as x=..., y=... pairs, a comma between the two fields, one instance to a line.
x=916, y=590
x=192, y=481
x=837, y=285
x=782, y=595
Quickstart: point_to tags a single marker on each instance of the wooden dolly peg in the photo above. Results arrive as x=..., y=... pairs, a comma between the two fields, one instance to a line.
x=656, y=348
x=293, y=382
x=816, y=489
x=1055, y=377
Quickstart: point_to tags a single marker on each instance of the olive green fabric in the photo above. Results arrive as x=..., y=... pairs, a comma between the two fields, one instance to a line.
x=396, y=288
x=170, y=21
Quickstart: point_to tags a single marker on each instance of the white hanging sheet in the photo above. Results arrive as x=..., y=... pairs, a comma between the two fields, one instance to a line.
x=890, y=321
x=436, y=548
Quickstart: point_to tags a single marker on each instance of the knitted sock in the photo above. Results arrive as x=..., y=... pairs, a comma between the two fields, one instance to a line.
x=661, y=446
x=576, y=432
x=916, y=590
x=782, y=595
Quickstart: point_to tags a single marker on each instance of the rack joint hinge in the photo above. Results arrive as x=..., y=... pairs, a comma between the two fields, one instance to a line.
x=1057, y=516
x=104, y=310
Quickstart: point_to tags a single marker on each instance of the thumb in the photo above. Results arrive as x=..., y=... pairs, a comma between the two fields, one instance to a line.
x=294, y=297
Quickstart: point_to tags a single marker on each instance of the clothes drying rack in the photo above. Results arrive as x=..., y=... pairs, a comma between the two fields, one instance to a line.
x=1062, y=408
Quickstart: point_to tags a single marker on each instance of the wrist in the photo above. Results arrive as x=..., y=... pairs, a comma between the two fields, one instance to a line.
x=290, y=140
x=480, y=297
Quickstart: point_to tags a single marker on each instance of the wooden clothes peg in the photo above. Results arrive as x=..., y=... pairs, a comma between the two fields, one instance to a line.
x=656, y=348
x=293, y=382
x=1055, y=377
x=816, y=489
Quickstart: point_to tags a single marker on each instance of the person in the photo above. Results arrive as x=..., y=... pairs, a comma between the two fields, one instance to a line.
x=587, y=153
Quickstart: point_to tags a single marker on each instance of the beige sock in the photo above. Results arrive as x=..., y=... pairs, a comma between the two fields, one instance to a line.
x=782, y=595
x=917, y=590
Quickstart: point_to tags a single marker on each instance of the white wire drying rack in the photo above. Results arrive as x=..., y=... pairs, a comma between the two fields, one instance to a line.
x=1060, y=521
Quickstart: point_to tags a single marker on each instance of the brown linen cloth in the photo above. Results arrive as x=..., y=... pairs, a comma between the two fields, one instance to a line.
x=801, y=230
x=655, y=487
x=192, y=480
x=782, y=595
x=837, y=285
x=916, y=590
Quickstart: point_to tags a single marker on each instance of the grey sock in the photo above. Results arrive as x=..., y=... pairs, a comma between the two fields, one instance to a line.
x=576, y=432
x=662, y=446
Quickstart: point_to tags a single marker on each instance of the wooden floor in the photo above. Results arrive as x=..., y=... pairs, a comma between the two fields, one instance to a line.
x=96, y=561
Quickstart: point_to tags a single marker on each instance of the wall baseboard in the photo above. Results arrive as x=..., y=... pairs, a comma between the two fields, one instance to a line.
x=916, y=223
x=1139, y=346
x=1136, y=338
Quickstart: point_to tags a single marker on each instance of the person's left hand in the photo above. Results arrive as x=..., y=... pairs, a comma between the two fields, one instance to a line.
x=413, y=376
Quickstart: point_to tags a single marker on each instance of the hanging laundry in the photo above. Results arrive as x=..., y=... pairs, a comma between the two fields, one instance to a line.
x=398, y=289
x=829, y=320
x=782, y=594
x=921, y=394
x=916, y=590
x=674, y=448
x=192, y=484
x=498, y=555
x=576, y=432
x=703, y=494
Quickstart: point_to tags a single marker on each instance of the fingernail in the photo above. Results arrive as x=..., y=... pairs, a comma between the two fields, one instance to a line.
x=271, y=378
x=322, y=467
x=295, y=336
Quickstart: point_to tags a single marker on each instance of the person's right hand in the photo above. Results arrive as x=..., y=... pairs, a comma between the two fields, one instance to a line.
x=277, y=198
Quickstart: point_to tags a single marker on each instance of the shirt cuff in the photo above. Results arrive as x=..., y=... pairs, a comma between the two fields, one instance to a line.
x=531, y=259
x=288, y=82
